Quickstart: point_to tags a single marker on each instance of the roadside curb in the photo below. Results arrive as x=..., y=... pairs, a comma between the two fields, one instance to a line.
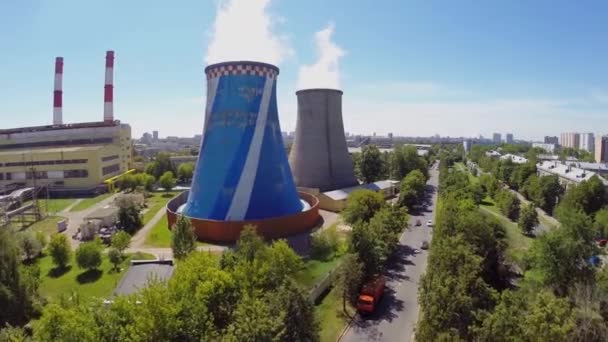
x=345, y=330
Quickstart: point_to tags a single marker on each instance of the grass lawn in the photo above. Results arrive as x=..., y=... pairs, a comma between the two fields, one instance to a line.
x=99, y=283
x=331, y=317
x=160, y=235
x=89, y=202
x=55, y=205
x=517, y=242
x=314, y=271
x=48, y=225
x=156, y=202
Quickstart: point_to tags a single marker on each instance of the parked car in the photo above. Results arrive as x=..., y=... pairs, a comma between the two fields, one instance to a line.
x=418, y=223
x=370, y=294
x=429, y=223
x=424, y=245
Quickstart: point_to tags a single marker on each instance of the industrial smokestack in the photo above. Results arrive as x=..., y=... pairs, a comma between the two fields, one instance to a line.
x=319, y=157
x=242, y=171
x=58, y=92
x=108, y=95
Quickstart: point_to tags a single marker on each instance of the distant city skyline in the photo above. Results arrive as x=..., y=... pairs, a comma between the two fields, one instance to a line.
x=414, y=69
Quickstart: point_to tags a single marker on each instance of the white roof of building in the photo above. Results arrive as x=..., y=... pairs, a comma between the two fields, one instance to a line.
x=574, y=174
x=592, y=166
x=514, y=158
x=493, y=153
x=340, y=194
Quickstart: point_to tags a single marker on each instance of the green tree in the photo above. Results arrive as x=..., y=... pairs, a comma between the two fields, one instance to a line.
x=30, y=245
x=367, y=241
x=129, y=218
x=549, y=319
x=17, y=293
x=452, y=290
x=185, y=171
x=508, y=203
x=600, y=223
x=121, y=241
x=60, y=250
x=161, y=164
x=325, y=243
x=527, y=317
x=70, y=323
x=115, y=257
x=370, y=164
x=551, y=190
x=412, y=189
x=558, y=258
x=183, y=241
x=88, y=255
x=127, y=182
x=589, y=196
x=361, y=205
x=144, y=181
x=528, y=219
x=167, y=181
x=299, y=323
x=254, y=320
x=404, y=160
x=349, y=279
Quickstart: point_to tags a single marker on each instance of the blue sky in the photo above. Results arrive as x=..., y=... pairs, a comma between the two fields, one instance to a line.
x=424, y=67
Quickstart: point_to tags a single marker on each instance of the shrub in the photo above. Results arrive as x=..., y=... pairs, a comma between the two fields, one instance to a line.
x=60, y=250
x=88, y=255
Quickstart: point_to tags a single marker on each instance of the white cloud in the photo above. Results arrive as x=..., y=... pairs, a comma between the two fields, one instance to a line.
x=244, y=30
x=325, y=72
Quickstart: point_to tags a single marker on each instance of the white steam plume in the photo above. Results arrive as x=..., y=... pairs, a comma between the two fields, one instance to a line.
x=243, y=30
x=325, y=73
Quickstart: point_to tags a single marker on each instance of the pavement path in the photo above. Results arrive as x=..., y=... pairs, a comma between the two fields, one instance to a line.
x=138, y=240
x=75, y=218
x=69, y=207
x=397, y=314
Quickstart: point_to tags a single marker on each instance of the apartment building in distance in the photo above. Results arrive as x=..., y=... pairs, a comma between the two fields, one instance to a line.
x=551, y=140
x=497, y=138
x=587, y=142
x=601, y=149
x=509, y=138
x=570, y=139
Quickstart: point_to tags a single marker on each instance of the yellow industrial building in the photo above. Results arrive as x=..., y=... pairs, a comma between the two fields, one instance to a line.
x=70, y=159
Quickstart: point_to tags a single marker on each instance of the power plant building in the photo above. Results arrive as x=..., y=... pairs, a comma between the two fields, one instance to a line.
x=68, y=158
x=319, y=157
x=242, y=175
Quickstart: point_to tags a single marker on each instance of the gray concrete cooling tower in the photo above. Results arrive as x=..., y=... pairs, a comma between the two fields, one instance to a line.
x=319, y=157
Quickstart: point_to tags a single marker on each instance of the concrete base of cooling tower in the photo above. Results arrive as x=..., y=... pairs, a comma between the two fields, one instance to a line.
x=227, y=232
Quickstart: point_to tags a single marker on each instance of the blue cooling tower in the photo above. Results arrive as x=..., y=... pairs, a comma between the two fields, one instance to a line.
x=242, y=171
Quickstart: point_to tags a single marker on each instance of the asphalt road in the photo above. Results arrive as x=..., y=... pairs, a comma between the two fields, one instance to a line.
x=397, y=313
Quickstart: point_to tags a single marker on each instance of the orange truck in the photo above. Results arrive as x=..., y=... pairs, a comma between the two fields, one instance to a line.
x=370, y=294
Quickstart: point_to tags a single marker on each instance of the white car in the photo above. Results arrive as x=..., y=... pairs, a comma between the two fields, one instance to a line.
x=429, y=223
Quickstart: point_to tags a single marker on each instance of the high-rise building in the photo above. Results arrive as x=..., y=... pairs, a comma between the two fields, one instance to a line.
x=496, y=138
x=587, y=142
x=155, y=135
x=601, y=149
x=509, y=138
x=551, y=140
x=570, y=139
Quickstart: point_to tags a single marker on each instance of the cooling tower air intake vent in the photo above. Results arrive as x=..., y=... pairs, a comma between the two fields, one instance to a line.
x=242, y=172
x=319, y=156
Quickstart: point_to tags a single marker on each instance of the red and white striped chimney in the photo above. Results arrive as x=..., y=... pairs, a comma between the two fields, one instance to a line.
x=58, y=92
x=108, y=95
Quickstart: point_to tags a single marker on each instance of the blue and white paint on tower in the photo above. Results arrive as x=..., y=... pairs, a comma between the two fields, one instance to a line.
x=242, y=172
